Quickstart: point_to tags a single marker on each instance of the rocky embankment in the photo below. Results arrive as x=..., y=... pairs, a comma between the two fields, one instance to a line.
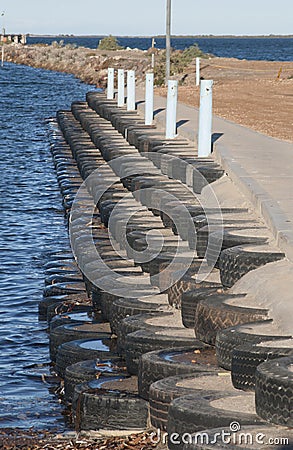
x=86, y=64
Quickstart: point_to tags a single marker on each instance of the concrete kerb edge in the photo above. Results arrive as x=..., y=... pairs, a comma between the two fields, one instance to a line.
x=258, y=197
x=266, y=207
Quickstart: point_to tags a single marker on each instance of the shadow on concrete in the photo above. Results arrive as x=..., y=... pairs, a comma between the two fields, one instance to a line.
x=157, y=111
x=181, y=122
x=140, y=102
x=215, y=137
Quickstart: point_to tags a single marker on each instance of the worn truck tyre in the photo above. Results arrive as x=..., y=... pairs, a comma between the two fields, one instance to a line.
x=80, y=350
x=190, y=300
x=232, y=238
x=109, y=404
x=274, y=391
x=136, y=323
x=187, y=283
x=246, y=359
x=64, y=289
x=195, y=413
x=48, y=301
x=126, y=307
x=144, y=341
x=164, y=391
x=214, y=314
x=90, y=370
x=159, y=364
x=235, y=262
x=229, y=339
x=74, y=332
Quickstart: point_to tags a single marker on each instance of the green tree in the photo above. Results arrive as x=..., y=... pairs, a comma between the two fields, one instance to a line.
x=109, y=43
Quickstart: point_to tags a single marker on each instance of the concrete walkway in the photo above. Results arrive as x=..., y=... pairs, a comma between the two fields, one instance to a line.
x=261, y=167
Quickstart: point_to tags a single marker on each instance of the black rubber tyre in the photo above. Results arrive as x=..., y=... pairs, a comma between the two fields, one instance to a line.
x=90, y=370
x=60, y=278
x=274, y=391
x=189, y=302
x=246, y=358
x=48, y=301
x=74, y=318
x=235, y=262
x=74, y=332
x=66, y=307
x=136, y=323
x=75, y=351
x=252, y=437
x=228, y=238
x=126, y=307
x=98, y=405
x=186, y=283
x=159, y=364
x=214, y=314
x=144, y=341
x=106, y=301
x=64, y=289
x=233, y=337
x=164, y=391
x=195, y=413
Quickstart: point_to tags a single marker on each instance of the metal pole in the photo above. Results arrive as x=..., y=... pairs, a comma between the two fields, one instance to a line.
x=168, y=40
x=130, y=90
x=205, y=118
x=149, y=99
x=120, y=99
x=110, y=84
x=171, y=109
x=153, y=52
x=197, y=71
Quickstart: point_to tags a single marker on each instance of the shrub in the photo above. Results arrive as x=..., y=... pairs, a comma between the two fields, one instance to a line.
x=109, y=43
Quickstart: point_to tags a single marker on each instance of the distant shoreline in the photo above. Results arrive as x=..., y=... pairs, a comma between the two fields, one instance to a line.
x=205, y=36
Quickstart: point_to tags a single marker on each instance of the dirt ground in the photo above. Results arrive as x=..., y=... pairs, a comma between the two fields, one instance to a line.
x=44, y=440
x=256, y=94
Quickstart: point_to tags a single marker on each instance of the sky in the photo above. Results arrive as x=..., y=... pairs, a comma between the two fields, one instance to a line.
x=147, y=17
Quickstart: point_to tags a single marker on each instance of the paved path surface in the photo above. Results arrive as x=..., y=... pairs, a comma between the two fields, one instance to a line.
x=262, y=167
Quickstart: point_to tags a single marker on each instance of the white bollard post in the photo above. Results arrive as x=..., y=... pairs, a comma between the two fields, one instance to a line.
x=197, y=71
x=130, y=90
x=110, y=84
x=171, y=109
x=205, y=119
x=120, y=99
x=149, y=99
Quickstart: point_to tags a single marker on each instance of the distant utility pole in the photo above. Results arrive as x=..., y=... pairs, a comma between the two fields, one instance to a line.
x=168, y=40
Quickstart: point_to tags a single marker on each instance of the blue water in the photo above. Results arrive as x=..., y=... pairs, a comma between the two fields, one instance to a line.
x=270, y=49
x=32, y=227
